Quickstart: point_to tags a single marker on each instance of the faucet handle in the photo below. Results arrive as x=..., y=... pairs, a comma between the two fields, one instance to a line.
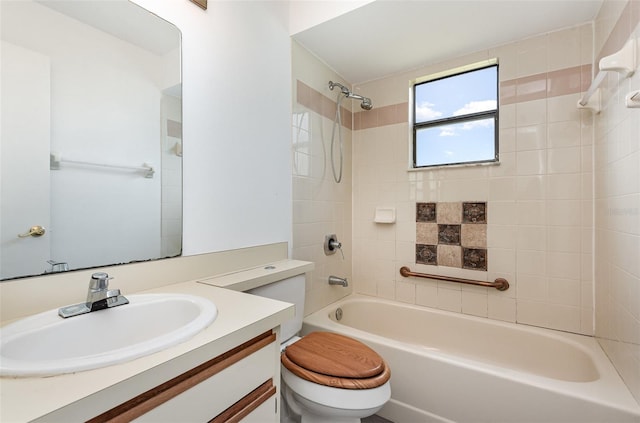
x=99, y=280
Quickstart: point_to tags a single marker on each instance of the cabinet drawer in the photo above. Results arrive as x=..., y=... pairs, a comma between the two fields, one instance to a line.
x=252, y=407
x=211, y=397
x=207, y=390
x=263, y=413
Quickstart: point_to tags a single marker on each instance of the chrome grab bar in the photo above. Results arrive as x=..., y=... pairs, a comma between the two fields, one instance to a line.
x=500, y=284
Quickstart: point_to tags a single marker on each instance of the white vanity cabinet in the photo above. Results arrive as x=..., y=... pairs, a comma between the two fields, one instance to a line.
x=238, y=385
x=228, y=372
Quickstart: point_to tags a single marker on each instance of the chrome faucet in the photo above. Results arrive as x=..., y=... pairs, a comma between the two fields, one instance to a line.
x=335, y=280
x=99, y=297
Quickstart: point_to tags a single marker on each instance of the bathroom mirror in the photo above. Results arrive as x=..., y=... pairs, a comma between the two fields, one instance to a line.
x=91, y=141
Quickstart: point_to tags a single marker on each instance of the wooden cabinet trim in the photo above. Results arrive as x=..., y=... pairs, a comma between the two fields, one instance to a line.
x=152, y=398
x=246, y=405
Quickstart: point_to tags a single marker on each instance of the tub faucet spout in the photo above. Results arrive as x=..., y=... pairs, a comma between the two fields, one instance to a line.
x=335, y=280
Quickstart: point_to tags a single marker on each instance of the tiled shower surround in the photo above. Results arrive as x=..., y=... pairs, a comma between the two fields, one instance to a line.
x=452, y=234
x=539, y=230
x=539, y=197
x=617, y=200
x=556, y=169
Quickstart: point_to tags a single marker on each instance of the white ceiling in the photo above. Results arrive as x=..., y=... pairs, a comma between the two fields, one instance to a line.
x=122, y=19
x=389, y=36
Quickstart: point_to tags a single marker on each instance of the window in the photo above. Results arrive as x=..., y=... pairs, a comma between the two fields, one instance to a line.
x=455, y=117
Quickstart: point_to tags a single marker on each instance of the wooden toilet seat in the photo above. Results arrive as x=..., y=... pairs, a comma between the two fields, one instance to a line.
x=335, y=360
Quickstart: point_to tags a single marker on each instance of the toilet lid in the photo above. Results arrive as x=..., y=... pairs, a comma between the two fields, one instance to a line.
x=335, y=360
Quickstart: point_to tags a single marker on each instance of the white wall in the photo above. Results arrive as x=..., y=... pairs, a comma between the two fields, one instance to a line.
x=236, y=115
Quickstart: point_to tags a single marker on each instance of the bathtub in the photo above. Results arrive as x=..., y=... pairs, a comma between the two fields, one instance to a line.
x=449, y=367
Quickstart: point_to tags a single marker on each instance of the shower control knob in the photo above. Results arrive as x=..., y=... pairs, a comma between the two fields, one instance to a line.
x=331, y=244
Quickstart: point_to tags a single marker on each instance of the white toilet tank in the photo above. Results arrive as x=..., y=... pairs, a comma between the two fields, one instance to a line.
x=290, y=290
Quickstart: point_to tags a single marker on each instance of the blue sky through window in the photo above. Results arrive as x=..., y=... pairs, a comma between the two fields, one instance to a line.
x=456, y=97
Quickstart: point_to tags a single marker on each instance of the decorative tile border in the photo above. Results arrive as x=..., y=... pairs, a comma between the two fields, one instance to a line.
x=426, y=254
x=425, y=212
x=321, y=104
x=452, y=234
x=449, y=234
x=474, y=258
x=570, y=80
x=474, y=212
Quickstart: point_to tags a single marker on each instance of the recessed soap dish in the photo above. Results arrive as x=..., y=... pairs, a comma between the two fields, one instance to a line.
x=385, y=215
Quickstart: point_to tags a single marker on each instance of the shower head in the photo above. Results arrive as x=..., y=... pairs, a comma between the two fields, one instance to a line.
x=365, y=101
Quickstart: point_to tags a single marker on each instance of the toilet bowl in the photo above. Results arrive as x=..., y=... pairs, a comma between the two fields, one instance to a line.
x=328, y=377
x=325, y=377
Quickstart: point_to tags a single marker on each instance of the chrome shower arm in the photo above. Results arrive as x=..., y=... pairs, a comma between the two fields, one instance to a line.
x=366, y=101
x=343, y=89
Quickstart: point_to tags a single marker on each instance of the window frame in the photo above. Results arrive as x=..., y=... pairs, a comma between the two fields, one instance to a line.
x=451, y=120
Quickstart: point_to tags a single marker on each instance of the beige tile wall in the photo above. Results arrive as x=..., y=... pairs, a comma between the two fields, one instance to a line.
x=320, y=206
x=539, y=199
x=617, y=200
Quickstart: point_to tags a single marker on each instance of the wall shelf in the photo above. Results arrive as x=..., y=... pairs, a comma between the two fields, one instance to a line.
x=632, y=100
x=624, y=61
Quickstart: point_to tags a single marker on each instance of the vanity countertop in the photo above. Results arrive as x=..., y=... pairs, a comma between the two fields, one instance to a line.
x=82, y=395
x=246, y=279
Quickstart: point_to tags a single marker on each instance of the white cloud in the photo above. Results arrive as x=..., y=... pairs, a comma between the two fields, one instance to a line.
x=484, y=123
x=425, y=111
x=475, y=107
x=448, y=131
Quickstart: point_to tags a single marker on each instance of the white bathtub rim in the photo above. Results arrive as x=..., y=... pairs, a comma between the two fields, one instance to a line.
x=609, y=390
x=581, y=342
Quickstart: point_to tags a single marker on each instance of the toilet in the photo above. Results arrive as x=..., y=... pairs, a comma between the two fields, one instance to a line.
x=325, y=377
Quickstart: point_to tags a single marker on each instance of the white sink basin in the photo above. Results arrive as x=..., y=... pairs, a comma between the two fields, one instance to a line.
x=46, y=344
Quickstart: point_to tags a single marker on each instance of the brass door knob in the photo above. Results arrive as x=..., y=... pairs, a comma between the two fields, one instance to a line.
x=34, y=231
